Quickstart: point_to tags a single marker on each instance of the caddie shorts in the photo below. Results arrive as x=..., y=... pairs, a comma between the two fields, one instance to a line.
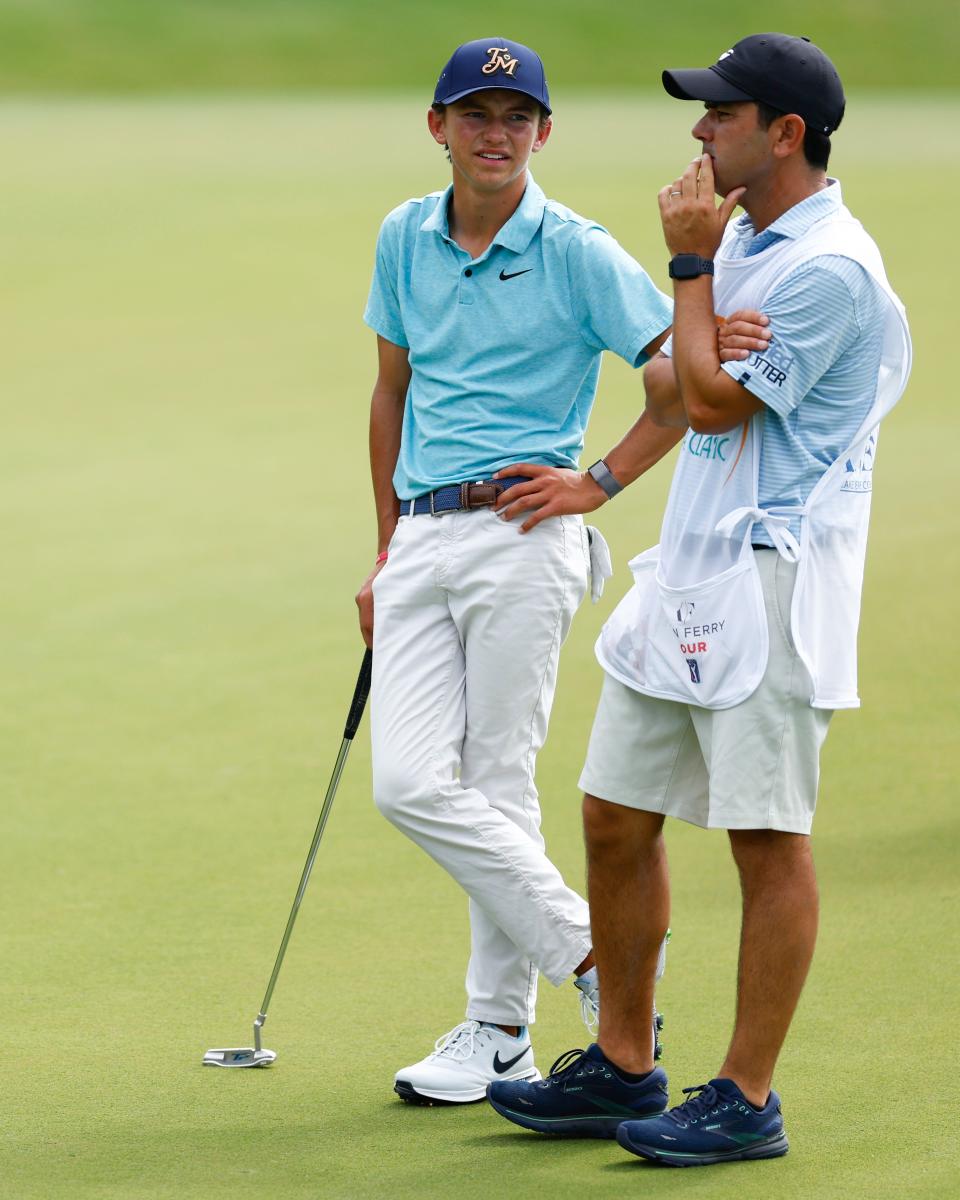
x=754, y=766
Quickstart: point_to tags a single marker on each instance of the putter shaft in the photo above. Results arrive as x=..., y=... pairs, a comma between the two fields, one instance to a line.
x=304, y=880
x=357, y=706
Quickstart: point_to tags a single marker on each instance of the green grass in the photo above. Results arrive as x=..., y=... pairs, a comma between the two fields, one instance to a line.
x=182, y=492
x=146, y=45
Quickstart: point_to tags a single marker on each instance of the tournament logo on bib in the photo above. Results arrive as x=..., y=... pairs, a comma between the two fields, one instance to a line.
x=858, y=473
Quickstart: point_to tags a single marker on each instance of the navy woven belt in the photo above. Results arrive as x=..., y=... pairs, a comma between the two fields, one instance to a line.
x=460, y=496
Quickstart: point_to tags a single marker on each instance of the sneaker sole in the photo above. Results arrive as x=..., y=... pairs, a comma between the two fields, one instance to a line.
x=409, y=1094
x=773, y=1147
x=585, y=1127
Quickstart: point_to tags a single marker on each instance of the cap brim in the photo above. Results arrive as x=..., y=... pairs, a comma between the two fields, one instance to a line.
x=702, y=84
x=509, y=87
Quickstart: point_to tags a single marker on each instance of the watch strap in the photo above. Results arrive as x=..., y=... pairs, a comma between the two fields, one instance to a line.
x=689, y=266
x=605, y=478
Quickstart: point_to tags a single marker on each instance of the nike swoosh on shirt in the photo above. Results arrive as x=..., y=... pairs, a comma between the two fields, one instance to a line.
x=514, y=274
x=500, y=1066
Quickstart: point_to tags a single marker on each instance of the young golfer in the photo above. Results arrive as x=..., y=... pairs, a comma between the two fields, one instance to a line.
x=726, y=660
x=492, y=307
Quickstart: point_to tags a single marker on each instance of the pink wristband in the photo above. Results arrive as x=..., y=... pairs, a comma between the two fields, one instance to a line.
x=381, y=557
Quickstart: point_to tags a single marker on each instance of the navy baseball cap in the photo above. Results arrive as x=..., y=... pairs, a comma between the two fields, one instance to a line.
x=492, y=63
x=788, y=73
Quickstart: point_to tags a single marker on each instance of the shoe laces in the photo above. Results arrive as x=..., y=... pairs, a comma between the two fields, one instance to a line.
x=566, y=1063
x=570, y=1064
x=460, y=1043
x=590, y=1010
x=705, y=1101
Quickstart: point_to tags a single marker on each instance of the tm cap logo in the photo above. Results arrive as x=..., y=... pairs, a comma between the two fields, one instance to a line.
x=500, y=60
x=725, y=54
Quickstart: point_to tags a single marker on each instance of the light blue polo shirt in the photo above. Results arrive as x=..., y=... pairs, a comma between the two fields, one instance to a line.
x=819, y=376
x=505, y=348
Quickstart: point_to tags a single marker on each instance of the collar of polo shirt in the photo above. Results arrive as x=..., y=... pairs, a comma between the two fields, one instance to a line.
x=516, y=234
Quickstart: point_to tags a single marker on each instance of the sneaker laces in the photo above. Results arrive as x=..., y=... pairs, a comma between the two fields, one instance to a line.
x=704, y=1099
x=590, y=1010
x=564, y=1067
x=460, y=1043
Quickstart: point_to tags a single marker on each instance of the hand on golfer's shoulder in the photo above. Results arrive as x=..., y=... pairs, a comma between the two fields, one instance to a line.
x=692, y=222
x=741, y=333
x=549, y=492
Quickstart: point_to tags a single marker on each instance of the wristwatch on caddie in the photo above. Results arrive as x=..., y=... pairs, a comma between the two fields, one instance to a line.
x=689, y=266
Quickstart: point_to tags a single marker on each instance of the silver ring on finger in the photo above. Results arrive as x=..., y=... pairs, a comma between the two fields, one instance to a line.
x=676, y=194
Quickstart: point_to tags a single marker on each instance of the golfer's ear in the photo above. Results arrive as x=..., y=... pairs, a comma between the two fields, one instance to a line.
x=435, y=123
x=542, y=134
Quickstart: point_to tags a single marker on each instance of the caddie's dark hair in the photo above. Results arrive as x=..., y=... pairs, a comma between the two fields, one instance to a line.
x=816, y=145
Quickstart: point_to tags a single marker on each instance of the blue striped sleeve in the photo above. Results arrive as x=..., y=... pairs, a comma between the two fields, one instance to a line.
x=814, y=320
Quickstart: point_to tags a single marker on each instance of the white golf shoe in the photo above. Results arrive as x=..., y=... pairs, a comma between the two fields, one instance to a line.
x=465, y=1060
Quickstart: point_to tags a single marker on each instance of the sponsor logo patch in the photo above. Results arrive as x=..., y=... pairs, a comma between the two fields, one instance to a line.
x=773, y=364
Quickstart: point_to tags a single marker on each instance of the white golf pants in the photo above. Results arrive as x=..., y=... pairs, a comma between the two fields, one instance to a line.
x=469, y=617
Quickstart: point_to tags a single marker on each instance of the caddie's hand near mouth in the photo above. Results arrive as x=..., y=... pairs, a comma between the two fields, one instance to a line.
x=692, y=222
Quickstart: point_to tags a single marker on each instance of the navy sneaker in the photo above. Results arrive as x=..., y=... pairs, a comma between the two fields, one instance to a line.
x=583, y=1096
x=717, y=1124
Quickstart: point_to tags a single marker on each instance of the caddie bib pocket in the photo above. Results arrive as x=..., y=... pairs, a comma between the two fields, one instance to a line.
x=714, y=637
x=705, y=644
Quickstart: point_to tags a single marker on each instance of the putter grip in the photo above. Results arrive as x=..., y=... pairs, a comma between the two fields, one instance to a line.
x=359, y=702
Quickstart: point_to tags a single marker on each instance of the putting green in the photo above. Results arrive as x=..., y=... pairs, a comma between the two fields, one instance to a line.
x=186, y=519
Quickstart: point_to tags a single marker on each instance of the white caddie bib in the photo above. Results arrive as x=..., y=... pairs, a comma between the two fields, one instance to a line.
x=693, y=627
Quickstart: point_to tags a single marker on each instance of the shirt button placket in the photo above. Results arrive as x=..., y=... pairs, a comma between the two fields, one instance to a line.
x=465, y=295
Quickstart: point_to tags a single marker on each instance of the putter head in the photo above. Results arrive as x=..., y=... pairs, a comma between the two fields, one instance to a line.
x=239, y=1056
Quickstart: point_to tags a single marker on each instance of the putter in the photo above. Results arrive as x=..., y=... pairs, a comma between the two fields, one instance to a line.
x=256, y=1055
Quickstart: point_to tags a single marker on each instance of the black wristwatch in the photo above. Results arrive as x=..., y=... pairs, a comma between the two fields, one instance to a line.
x=689, y=266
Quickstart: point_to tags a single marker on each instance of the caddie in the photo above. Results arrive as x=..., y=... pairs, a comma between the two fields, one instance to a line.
x=737, y=641
x=492, y=306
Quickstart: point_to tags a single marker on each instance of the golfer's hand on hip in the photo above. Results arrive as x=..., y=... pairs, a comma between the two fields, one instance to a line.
x=550, y=491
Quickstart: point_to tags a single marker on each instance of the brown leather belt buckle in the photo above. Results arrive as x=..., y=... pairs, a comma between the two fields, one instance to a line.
x=479, y=495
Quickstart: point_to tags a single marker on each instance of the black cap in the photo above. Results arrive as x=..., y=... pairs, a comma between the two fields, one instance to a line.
x=788, y=73
x=492, y=63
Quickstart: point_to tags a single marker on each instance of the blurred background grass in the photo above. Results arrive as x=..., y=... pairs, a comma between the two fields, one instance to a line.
x=357, y=45
x=185, y=518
